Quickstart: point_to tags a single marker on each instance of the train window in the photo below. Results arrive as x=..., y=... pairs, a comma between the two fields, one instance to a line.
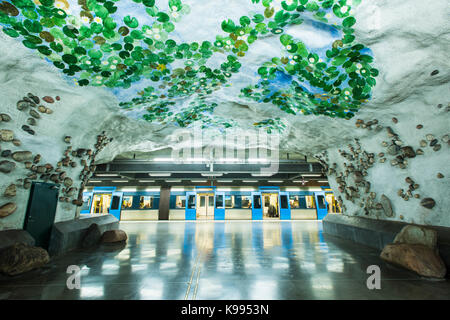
x=146, y=202
x=191, y=201
x=219, y=201
x=127, y=202
x=310, y=203
x=246, y=202
x=294, y=201
x=180, y=202
x=202, y=201
x=284, y=202
x=229, y=201
x=257, y=202
x=321, y=202
x=115, y=203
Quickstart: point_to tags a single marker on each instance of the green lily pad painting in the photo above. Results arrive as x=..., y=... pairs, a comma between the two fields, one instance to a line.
x=171, y=61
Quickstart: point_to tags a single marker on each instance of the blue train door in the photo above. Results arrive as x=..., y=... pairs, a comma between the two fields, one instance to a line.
x=116, y=204
x=285, y=206
x=257, y=210
x=321, y=205
x=191, y=203
x=87, y=203
x=219, y=206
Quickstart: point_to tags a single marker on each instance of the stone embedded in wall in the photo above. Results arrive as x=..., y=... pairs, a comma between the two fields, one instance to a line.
x=408, y=152
x=10, y=191
x=6, y=135
x=28, y=130
x=428, y=203
x=48, y=99
x=387, y=207
x=7, y=209
x=415, y=257
x=33, y=97
x=7, y=166
x=21, y=156
x=20, y=258
x=5, y=117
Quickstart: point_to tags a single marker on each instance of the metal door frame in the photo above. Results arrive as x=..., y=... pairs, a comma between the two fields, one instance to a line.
x=219, y=213
x=117, y=212
x=285, y=214
x=321, y=213
x=257, y=214
x=191, y=214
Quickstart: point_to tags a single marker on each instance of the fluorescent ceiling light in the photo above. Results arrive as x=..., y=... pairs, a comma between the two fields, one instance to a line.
x=177, y=189
x=173, y=180
x=257, y=160
x=224, y=181
x=119, y=181
x=262, y=174
x=106, y=175
x=322, y=181
x=223, y=189
x=246, y=189
x=152, y=189
x=160, y=174
x=275, y=181
x=228, y=160
x=163, y=159
x=299, y=181
x=144, y=181
x=311, y=175
x=128, y=189
x=212, y=174
x=199, y=180
x=194, y=159
x=95, y=181
x=249, y=181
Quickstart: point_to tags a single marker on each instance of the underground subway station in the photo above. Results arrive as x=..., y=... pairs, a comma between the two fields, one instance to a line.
x=239, y=150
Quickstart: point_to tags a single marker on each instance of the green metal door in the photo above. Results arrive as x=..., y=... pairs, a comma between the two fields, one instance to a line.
x=41, y=211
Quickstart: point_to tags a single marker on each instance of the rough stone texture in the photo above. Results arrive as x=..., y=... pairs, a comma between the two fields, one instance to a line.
x=7, y=209
x=112, y=236
x=20, y=258
x=7, y=166
x=386, y=203
x=417, y=235
x=92, y=236
x=415, y=257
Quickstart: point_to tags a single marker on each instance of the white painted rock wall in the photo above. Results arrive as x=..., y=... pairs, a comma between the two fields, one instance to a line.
x=409, y=41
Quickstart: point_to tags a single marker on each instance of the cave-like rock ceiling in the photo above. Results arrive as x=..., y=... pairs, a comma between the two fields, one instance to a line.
x=173, y=61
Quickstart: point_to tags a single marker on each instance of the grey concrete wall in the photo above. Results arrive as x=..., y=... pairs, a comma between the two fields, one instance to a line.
x=67, y=235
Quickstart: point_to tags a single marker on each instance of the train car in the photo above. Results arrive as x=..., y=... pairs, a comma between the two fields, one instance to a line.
x=212, y=203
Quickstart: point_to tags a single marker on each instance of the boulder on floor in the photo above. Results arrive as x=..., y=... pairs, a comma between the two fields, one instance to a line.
x=417, y=235
x=92, y=236
x=20, y=258
x=416, y=257
x=112, y=236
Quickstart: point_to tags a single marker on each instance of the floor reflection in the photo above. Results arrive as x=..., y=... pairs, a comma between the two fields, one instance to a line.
x=223, y=260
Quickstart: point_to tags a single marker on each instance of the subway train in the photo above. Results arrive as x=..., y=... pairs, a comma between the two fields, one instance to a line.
x=210, y=203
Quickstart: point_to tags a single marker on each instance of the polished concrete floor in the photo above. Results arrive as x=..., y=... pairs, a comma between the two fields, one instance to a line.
x=223, y=260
